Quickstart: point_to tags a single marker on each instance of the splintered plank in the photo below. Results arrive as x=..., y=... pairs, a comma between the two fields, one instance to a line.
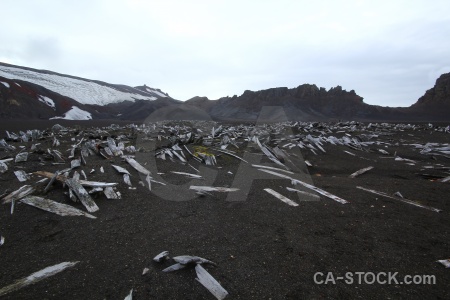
x=400, y=199
x=359, y=172
x=19, y=194
x=302, y=192
x=445, y=262
x=212, y=189
x=21, y=175
x=55, y=207
x=309, y=186
x=272, y=157
x=281, y=197
x=62, y=178
x=187, y=174
x=121, y=170
x=174, y=267
x=110, y=193
x=230, y=154
x=272, y=168
x=36, y=277
x=21, y=157
x=129, y=296
x=210, y=283
x=82, y=194
x=137, y=166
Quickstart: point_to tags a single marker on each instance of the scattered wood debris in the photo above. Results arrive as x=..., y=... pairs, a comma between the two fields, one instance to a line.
x=84, y=183
x=54, y=207
x=309, y=186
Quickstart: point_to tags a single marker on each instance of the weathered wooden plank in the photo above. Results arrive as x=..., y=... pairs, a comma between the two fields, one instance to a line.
x=21, y=175
x=19, y=194
x=309, y=186
x=359, y=172
x=82, y=194
x=400, y=199
x=212, y=189
x=210, y=283
x=54, y=207
x=36, y=277
x=62, y=178
x=137, y=166
x=281, y=197
x=187, y=174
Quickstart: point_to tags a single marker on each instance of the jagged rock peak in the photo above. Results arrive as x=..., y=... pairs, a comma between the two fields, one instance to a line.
x=302, y=91
x=439, y=94
x=199, y=98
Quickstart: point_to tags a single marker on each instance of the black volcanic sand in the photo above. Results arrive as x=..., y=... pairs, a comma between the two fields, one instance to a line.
x=264, y=248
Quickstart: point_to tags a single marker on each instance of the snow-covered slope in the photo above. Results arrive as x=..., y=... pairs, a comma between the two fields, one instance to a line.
x=75, y=114
x=82, y=90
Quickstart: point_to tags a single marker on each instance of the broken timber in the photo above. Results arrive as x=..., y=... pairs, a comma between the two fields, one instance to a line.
x=55, y=207
x=309, y=186
x=137, y=166
x=19, y=194
x=36, y=277
x=400, y=199
x=82, y=194
x=212, y=189
x=359, y=172
x=87, y=183
x=281, y=197
x=210, y=283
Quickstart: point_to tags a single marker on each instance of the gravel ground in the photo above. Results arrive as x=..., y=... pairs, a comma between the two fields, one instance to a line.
x=264, y=248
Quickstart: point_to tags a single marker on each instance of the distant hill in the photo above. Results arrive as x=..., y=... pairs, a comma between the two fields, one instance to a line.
x=27, y=93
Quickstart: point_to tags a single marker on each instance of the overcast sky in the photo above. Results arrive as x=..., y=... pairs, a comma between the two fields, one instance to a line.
x=389, y=52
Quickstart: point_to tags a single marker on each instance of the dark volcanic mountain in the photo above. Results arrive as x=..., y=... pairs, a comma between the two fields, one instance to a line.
x=306, y=103
x=436, y=101
x=32, y=94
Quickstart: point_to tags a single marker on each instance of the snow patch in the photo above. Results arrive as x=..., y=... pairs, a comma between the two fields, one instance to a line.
x=5, y=84
x=47, y=100
x=83, y=91
x=75, y=114
x=156, y=92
